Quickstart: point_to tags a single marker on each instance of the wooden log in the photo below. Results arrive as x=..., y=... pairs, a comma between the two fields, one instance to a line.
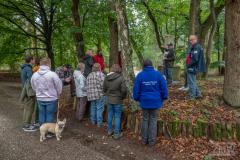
x=160, y=127
x=215, y=131
x=174, y=128
x=229, y=130
x=238, y=131
x=188, y=126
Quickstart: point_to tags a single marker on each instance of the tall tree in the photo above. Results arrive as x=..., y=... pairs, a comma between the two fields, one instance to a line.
x=113, y=36
x=202, y=29
x=231, y=92
x=78, y=35
x=125, y=47
x=155, y=25
x=39, y=14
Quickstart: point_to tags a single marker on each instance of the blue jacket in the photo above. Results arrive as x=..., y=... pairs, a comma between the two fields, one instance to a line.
x=26, y=73
x=150, y=88
x=197, y=61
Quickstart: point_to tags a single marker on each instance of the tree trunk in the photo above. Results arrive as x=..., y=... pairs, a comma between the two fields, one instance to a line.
x=155, y=25
x=50, y=53
x=231, y=91
x=78, y=36
x=194, y=21
x=125, y=48
x=137, y=50
x=113, y=30
x=210, y=39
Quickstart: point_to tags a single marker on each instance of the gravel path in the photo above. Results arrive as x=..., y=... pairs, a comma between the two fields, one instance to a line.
x=81, y=141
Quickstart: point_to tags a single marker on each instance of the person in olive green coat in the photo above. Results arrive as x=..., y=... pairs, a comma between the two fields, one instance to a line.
x=115, y=89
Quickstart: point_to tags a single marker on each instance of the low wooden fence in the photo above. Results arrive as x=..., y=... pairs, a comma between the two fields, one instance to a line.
x=216, y=131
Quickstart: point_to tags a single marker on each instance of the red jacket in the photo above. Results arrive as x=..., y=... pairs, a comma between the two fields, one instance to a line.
x=99, y=59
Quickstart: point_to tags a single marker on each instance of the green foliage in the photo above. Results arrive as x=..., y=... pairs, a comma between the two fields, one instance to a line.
x=172, y=17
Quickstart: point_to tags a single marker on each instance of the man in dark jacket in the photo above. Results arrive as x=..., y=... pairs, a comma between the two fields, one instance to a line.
x=169, y=59
x=26, y=69
x=115, y=89
x=150, y=90
x=195, y=63
x=28, y=99
x=88, y=61
x=65, y=73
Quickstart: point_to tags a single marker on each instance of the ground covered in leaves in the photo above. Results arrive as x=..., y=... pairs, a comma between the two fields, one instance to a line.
x=210, y=108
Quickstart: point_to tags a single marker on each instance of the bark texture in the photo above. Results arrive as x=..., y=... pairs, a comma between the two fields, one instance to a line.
x=78, y=36
x=113, y=30
x=125, y=48
x=231, y=91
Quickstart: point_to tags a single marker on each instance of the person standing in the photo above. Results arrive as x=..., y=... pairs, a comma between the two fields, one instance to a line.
x=95, y=94
x=26, y=69
x=115, y=89
x=98, y=58
x=150, y=90
x=168, y=63
x=48, y=88
x=65, y=73
x=195, y=63
x=27, y=97
x=81, y=92
x=88, y=61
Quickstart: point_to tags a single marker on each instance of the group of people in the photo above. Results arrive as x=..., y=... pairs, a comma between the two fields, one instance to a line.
x=92, y=87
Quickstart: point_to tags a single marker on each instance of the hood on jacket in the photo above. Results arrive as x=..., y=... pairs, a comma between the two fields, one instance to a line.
x=112, y=76
x=43, y=70
x=26, y=65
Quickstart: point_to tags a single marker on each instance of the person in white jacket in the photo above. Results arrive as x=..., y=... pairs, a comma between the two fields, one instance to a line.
x=81, y=92
x=48, y=88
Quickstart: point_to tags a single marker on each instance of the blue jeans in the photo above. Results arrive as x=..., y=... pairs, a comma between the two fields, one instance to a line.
x=97, y=108
x=47, y=110
x=168, y=74
x=193, y=88
x=149, y=126
x=114, y=110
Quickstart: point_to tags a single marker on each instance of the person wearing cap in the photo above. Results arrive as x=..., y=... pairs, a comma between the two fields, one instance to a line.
x=150, y=90
x=65, y=73
x=168, y=63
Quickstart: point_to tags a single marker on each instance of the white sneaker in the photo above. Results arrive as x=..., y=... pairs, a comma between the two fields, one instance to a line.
x=185, y=89
x=181, y=88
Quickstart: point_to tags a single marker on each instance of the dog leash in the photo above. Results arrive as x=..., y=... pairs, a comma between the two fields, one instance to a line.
x=58, y=107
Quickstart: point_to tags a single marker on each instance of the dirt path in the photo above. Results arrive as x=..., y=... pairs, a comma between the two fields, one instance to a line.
x=80, y=140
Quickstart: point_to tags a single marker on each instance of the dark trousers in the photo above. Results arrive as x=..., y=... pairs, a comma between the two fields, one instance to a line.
x=149, y=125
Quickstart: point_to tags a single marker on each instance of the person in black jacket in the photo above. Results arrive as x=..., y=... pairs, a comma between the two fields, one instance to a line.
x=88, y=61
x=169, y=59
x=195, y=63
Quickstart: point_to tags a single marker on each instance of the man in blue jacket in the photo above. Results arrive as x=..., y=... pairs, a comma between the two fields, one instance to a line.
x=26, y=69
x=150, y=90
x=195, y=63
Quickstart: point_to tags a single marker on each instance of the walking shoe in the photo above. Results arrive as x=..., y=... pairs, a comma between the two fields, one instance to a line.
x=199, y=97
x=25, y=127
x=117, y=136
x=185, y=89
x=144, y=142
x=181, y=88
x=30, y=129
x=151, y=143
x=50, y=135
x=110, y=133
